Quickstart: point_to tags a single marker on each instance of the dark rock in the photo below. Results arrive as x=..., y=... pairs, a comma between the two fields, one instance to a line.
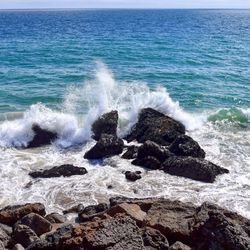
x=153, y=239
x=42, y=245
x=179, y=246
x=133, y=176
x=108, y=145
x=63, y=170
x=193, y=168
x=55, y=218
x=36, y=222
x=184, y=145
x=18, y=247
x=149, y=162
x=75, y=209
x=106, y=124
x=131, y=153
x=92, y=211
x=11, y=214
x=150, y=148
x=24, y=235
x=41, y=137
x=153, y=125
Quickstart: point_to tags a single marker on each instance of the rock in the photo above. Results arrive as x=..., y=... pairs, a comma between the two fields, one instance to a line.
x=150, y=148
x=133, y=176
x=75, y=209
x=184, y=145
x=11, y=214
x=108, y=145
x=106, y=124
x=179, y=246
x=24, y=235
x=132, y=210
x=41, y=137
x=193, y=168
x=36, y=222
x=131, y=153
x=4, y=238
x=172, y=219
x=90, y=212
x=153, y=125
x=149, y=162
x=63, y=170
x=153, y=239
x=42, y=245
x=7, y=229
x=55, y=218
x=18, y=247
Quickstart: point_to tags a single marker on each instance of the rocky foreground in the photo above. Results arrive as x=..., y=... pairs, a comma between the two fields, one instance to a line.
x=125, y=223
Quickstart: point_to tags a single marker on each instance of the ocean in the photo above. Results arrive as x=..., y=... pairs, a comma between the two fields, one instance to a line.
x=62, y=69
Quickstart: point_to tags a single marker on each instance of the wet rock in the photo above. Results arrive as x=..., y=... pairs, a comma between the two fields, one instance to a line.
x=106, y=124
x=184, y=145
x=36, y=222
x=63, y=170
x=7, y=229
x=11, y=214
x=133, y=176
x=150, y=148
x=4, y=238
x=153, y=125
x=24, y=235
x=55, y=218
x=153, y=239
x=179, y=246
x=172, y=219
x=132, y=210
x=193, y=168
x=149, y=162
x=131, y=153
x=18, y=247
x=41, y=137
x=108, y=145
x=90, y=212
x=75, y=209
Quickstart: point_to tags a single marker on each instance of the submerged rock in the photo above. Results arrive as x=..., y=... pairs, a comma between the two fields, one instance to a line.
x=63, y=170
x=184, y=145
x=133, y=176
x=106, y=124
x=108, y=145
x=193, y=168
x=41, y=137
x=155, y=126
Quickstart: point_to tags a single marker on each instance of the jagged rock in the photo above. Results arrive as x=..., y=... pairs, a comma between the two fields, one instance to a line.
x=75, y=209
x=11, y=214
x=149, y=162
x=108, y=145
x=150, y=148
x=4, y=238
x=90, y=212
x=179, y=246
x=18, y=247
x=184, y=145
x=172, y=219
x=132, y=210
x=106, y=124
x=42, y=245
x=153, y=239
x=155, y=126
x=133, y=176
x=131, y=153
x=55, y=218
x=193, y=168
x=7, y=229
x=63, y=170
x=41, y=137
x=36, y=222
x=24, y=235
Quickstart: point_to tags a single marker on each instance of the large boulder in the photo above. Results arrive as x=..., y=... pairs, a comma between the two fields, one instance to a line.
x=108, y=145
x=184, y=145
x=149, y=162
x=4, y=238
x=41, y=137
x=106, y=124
x=11, y=214
x=63, y=170
x=155, y=126
x=193, y=168
x=131, y=152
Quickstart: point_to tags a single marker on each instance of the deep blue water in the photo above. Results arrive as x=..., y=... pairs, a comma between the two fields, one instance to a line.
x=201, y=56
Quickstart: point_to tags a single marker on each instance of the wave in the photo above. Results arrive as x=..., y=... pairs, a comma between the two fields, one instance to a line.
x=83, y=105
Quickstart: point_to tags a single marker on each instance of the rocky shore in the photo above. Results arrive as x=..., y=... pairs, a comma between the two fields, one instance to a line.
x=125, y=223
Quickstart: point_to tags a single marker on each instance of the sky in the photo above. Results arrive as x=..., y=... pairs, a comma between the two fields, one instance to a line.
x=24, y=4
